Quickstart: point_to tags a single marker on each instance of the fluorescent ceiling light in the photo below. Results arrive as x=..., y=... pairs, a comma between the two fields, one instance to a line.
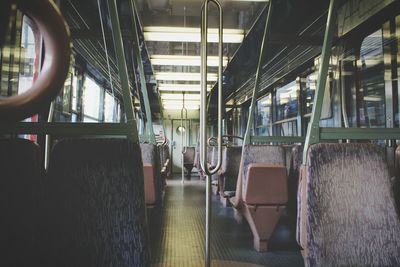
x=181, y=87
x=177, y=60
x=180, y=96
x=179, y=102
x=187, y=34
x=184, y=76
x=175, y=107
x=373, y=98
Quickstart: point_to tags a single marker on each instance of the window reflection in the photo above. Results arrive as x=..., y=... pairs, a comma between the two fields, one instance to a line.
x=91, y=101
x=287, y=99
x=372, y=91
x=263, y=116
x=309, y=85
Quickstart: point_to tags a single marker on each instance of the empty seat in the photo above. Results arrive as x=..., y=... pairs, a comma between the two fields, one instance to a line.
x=188, y=160
x=396, y=182
x=295, y=161
x=262, y=171
x=96, y=213
x=21, y=195
x=347, y=215
x=166, y=160
x=231, y=156
x=153, y=186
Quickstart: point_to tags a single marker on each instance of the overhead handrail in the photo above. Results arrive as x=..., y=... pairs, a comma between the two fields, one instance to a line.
x=55, y=66
x=203, y=115
x=138, y=50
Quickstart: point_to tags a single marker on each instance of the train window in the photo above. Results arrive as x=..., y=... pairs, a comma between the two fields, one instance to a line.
x=91, y=101
x=263, y=116
x=287, y=101
x=309, y=85
x=110, y=106
x=372, y=81
x=30, y=51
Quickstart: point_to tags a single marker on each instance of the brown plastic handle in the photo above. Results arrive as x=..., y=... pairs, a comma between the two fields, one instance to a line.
x=55, y=67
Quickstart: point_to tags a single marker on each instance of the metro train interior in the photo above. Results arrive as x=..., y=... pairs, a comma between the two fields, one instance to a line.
x=167, y=133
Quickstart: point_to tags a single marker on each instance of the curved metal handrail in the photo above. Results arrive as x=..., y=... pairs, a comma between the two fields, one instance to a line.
x=203, y=116
x=203, y=70
x=56, y=62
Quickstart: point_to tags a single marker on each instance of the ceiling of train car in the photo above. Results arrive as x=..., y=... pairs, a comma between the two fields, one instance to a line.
x=172, y=33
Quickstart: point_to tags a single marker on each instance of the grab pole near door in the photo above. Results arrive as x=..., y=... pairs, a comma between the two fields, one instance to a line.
x=183, y=135
x=203, y=116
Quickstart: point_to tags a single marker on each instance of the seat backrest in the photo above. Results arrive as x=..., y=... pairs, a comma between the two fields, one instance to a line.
x=396, y=182
x=261, y=154
x=266, y=184
x=197, y=156
x=348, y=215
x=296, y=159
x=151, y=156
x=231, y=156
x=189, y=155
x=288, y=156
x=96, y=204
x=274, y=155
x=21, y=199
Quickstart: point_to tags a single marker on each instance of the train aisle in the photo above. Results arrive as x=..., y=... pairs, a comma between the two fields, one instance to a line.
x=180, y=239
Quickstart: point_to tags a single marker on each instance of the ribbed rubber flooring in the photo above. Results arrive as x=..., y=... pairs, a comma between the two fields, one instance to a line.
x=177, y=233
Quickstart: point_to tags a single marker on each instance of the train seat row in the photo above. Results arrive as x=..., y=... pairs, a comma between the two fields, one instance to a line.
x=87, y=210
x=328, y=205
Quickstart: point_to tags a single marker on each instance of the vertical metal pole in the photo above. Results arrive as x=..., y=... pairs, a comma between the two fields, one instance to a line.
x=139, y=61
x=123, y=71
x=183, y=136
x=313, y=127
x=48, y=138
x=203, y=116
x=263, y=50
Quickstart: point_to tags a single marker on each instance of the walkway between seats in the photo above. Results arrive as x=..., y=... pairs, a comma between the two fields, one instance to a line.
x=180, y=239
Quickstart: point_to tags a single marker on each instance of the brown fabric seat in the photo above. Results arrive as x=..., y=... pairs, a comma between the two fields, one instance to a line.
x=262, y=218
x=347, y=215
x=153, y=185
x=188, y=160
x=231, y=156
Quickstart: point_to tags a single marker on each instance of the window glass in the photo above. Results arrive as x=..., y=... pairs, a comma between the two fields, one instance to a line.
x=28, y=57
x=91, y=101
x=263, y=116
x=372, y=83
x=309, y=85
x=109, y=108
x=287, y=99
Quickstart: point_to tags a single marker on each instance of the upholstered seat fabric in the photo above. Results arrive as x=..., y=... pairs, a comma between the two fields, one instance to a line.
x=230, y=166
x=348, y=213
x=21, y=196
x=96, y=204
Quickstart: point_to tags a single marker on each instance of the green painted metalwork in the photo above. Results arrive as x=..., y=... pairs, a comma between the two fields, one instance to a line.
x=123, y=71
x=278, y=139
x=359, y=133
x=263, y=51
x=67, y=129
x=149, y=124
x=313, y=130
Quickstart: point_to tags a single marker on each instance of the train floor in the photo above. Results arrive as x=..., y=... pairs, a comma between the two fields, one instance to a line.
x=177, y=233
